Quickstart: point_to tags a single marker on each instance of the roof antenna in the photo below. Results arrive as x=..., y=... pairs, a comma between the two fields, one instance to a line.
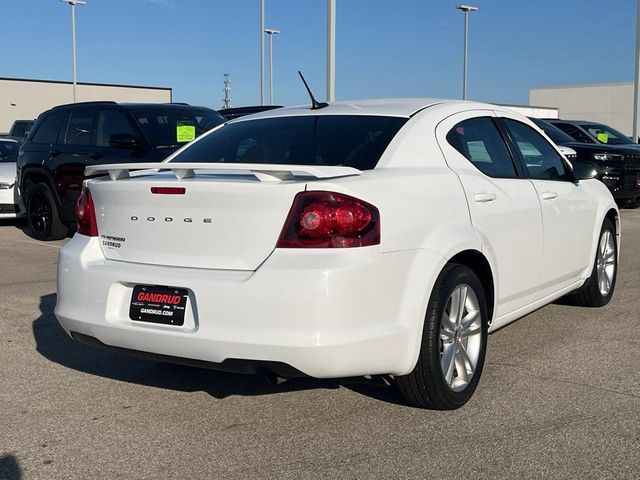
x=315, y=105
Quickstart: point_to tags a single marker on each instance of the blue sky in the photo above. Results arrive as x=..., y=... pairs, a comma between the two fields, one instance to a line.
x=385, y=48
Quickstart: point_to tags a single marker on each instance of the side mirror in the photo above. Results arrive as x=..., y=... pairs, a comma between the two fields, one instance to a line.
x=123, y=140
x=584, y=170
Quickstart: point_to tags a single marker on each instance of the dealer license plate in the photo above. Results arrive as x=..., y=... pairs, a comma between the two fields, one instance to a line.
x=157, y=304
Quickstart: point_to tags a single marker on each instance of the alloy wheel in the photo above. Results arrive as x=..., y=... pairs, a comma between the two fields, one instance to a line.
x=460, y=337
x=40, y=213
x=606, y=262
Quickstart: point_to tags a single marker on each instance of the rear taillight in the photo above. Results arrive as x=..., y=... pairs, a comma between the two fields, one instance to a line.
x=330, y=220
x=86, y=214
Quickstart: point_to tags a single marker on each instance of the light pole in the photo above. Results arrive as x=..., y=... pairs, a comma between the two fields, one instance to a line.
x=73, y=4
x=261, y=52
x=636, y=83
x=466, y=9
x=331, y=50
x=271, y=32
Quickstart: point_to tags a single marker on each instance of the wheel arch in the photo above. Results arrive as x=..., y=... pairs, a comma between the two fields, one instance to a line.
x=480, y=265
x=31, y=177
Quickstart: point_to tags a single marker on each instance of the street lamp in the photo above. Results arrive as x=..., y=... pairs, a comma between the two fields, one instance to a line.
x=466, y=9
x=261, y=52
x=271, y=33
x=331, y=50
x=636, y=82
x=73, y=4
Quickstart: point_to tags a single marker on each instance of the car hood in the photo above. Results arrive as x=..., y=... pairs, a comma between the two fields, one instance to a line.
x=7, y=172
x=601, y=148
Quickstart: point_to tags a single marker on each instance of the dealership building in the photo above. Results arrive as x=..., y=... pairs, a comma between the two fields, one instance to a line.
x=25, y=99
x=609, y=103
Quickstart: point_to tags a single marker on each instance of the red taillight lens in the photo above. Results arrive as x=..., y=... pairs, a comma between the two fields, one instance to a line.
x=168, y=190
x=330, y=220
x=86, y=214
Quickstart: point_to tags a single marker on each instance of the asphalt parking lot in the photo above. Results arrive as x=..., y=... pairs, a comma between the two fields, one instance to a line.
x=559, y=398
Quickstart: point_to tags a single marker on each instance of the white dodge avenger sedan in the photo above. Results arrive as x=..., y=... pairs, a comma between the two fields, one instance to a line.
x=383, y=237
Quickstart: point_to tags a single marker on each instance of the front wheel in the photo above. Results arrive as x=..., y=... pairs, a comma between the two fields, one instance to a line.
x=454, y=343
x=598, y=289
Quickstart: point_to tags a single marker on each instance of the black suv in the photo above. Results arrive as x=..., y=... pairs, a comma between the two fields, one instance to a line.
x=67, y=138
x=617, y=166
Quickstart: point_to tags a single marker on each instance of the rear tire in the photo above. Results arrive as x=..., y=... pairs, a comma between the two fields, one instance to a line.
x=454, y=341
x=598, y=289
x=43, y=216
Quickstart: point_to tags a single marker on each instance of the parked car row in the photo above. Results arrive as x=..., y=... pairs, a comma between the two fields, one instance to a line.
x=68, y=138
x=613, y=157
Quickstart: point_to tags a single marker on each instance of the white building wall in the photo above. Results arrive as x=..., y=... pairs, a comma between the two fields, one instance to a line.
x=610, y=103
x=25, y=99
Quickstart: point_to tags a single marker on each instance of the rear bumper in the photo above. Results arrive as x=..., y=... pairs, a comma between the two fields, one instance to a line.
x=327, y=314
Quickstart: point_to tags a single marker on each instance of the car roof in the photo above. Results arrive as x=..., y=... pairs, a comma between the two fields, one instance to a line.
x=149, y=106
x=392, y=107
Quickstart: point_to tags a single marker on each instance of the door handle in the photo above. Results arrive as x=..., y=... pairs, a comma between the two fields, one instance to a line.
x=548, y=195
x=484, y=197
x=54, y=152
x=95, y=155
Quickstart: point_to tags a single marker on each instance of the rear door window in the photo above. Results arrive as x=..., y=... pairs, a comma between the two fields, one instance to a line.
x=479, y=140
x=340, y=140
x=81, y=128
x=47, y=132
x=112, y=122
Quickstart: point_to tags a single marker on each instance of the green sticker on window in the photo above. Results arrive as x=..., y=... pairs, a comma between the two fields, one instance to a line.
x=185, y=133
x=603, y=137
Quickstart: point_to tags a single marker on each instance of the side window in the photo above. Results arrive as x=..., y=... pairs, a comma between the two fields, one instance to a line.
x=112, y=122
x=81, y=128
x=48, y=130
x=542, y=160
x=480, y=142
x=573, y=131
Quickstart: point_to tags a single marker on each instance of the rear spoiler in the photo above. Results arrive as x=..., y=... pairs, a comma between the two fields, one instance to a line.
x=263, y=172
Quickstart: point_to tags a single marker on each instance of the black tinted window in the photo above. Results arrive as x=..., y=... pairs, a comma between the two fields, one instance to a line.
x=480, y=142
x=20, y=129
x=553, y=132
x=81, y=128
x=48, y=130
x=348, y=140
x=112, y=122
x=542, y=160
x=574, y=132
x=8, y=151
x=175, y=127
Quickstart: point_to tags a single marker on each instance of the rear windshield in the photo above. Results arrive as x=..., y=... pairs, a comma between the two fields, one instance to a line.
x=339, y=140
x=8, y=151
x=170, y=129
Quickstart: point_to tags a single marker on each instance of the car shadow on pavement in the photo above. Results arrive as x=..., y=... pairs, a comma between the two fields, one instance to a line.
x=53, y=343
x=9, y=467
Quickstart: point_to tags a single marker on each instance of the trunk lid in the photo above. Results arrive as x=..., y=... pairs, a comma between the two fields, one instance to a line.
x=222, y=221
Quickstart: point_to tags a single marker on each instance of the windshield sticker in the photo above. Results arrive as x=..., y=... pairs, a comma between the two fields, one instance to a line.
x=185, y=133
x=603, y=137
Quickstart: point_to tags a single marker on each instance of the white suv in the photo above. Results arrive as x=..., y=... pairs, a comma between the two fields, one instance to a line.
x=373, y=237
